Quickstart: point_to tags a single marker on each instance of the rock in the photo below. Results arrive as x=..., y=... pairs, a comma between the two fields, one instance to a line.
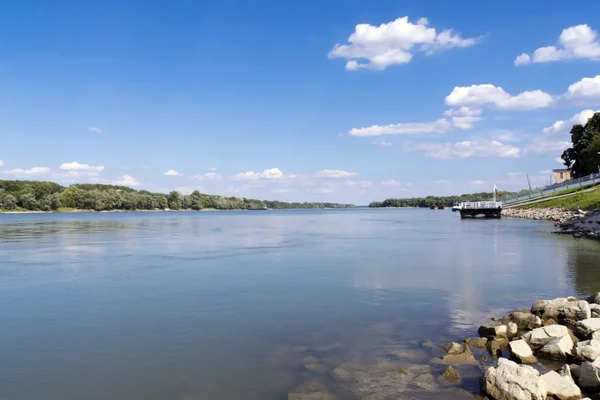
x=575, y=370
x=459, y=354
x=557, y=350
x=479, y=342
x=512, y=329
x=541, y=336
x=588, y=350
x=317, y=367
x=548, y=322
x=562, y=309
x=587, y=327
x=497, y=346
x=346, y=371
x=595, y=299
x=595, y=309
x=539, y=305
x=526, y=320
x=451, y=375
x=588, y=376
x=575, y=311
x=312, y=390
x=510, y=381
x=562, y=387
x=492, y=330
x=520, y=350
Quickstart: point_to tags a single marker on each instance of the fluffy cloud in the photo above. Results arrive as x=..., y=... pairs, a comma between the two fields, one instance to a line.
x=362, y=184
x=95, y=129
x=585, y=90
x=488, y=94
x=394, y=43
x=127, y=180
x=464, y=117
x=409, y=128
x=442, y=182
x=477, y=182
x=563, y=126
x=468, y=148
x=579, y=41
x=78, y=167
x=544, y=144
x=209, y=176
x=27, y=172
x=172, y=172
x=1, y=163
x=335, y=173
x=390, y=182
x=268, y=174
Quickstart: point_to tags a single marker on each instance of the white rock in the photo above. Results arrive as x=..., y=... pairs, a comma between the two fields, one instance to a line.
x=562, y=387
x=511, y=329
x=510, y=381
x=558, y=349
x=575, y=310
x=522, y=352
x=587, y=350
x=588, y=326
x=525, y=320
x=541, y=336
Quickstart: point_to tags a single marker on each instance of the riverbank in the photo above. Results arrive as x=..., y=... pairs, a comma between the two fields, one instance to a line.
x=580, y=224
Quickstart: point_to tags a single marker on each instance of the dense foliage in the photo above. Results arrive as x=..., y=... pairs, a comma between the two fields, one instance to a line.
x=47, y=196
x=447, y=201
x=583, y=156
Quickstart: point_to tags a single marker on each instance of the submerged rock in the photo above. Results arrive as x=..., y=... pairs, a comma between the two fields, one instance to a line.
x=479, y=342
x=312, y=390
x=560, y=386
x=510, y=381
x=451, y=375
x=458, y=354
x=521, y=351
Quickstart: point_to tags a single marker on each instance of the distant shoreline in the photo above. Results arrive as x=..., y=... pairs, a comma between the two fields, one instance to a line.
x=79, y=211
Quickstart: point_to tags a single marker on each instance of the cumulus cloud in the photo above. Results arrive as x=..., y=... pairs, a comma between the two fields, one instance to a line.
x=488, y=94
x=79, y=167
x=564, y=126
x=579, y=41
x=545, y=144
x=409, y=128
x=127, y=180
x=464, y=117
x=95, y=129
x=209, y=176
x=267, y=174
x=378, y=47
x=27, y=172
x=468, y=148
x=172, y=172
x=335, y=173
x=585, y=90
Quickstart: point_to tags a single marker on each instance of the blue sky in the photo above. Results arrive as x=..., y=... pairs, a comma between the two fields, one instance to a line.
x=316, y=100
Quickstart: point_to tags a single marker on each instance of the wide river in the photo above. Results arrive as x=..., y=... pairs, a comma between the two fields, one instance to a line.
x=250, y=305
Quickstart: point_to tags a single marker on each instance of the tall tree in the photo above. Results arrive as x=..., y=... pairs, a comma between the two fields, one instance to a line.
x=581, y=157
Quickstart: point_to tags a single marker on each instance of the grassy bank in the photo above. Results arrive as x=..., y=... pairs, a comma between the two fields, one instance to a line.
x=582, y=200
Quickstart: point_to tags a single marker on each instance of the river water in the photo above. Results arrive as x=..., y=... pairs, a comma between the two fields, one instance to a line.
x=250, y=305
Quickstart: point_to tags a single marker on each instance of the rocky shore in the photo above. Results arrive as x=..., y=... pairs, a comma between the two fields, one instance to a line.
x=577, y=223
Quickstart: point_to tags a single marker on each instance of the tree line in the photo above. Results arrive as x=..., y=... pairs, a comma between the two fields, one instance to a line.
x=583, y=157
x=50, y=196
x=447, y=201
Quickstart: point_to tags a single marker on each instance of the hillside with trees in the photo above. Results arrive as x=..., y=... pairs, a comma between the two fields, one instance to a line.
x=583, y=157
x=50, y=196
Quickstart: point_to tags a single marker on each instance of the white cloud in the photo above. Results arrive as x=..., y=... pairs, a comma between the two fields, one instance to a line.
x=547, y=171
x=394, y=43
x=464, y=117
x=335, y=173
x=488, y=94
x=585, y=90
x=172, y=172
x=442, y=182
x=563, y=126
x=559, y=160
x=468, y=148
x=78, y=167
x=409, y=128
x=27, y=172
x=390, y=182
x=127, y=180
x=477, y=182
x=284, y=190
x=1, y=163
x=575, y=42
x=544, y=144
x=267, y=174
x=322, y=190
x=383, y=144
x=95, y=129
x=362, y=184
x=209, y=176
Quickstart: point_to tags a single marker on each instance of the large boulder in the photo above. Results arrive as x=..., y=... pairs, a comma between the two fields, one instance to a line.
x=561, y=386
x=575, y=311
x=544, y=335
x=511, y=381
x=492, y=331
x=585, y=328
x=557, y=350
x=526, y=320
x=562, y=309
x=588, y=350
x=588, y=376
x=520, y=350
x=595, y=298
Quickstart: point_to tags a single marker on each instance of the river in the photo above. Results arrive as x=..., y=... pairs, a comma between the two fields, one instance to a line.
x=249, y=305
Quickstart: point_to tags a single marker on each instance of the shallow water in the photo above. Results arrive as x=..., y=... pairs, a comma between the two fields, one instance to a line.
x=228, y=305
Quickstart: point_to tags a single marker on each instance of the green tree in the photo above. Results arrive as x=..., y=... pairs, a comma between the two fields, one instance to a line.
x=9, y=202
x=174, y=200
x=28, y=201
x=581, y=157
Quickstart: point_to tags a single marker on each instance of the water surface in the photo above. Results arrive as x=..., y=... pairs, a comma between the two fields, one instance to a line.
x=231, y=305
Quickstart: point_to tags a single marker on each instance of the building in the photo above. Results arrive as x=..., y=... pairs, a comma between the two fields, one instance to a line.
x=561, y=175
